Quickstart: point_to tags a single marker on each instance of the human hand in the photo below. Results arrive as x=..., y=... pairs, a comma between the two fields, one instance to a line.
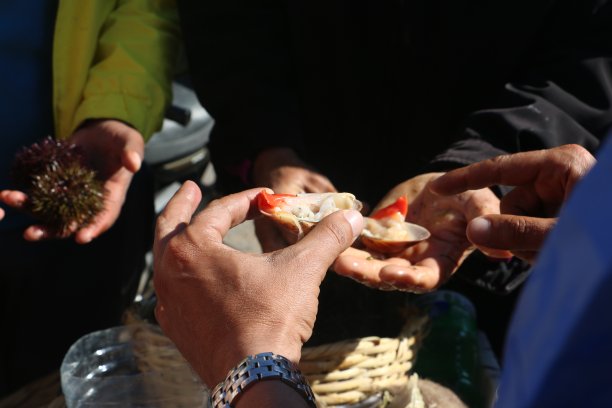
x=284, y=172
x=115, y=151
x=219, y=305
x=428, y=264
x=543, y=180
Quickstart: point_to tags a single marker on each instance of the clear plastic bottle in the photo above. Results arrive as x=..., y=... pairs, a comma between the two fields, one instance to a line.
x=449, y=354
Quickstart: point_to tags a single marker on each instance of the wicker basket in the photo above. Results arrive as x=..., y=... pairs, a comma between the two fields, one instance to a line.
x=342, y=373
x=351, y=371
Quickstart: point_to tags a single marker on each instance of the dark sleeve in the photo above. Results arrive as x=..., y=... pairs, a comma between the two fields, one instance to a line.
x=239, y=57
x=562, y=95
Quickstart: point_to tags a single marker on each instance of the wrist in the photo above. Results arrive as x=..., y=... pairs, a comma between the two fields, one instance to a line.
x=252, y=371
x=271, y=394
x=229, y=355
x=104, y=122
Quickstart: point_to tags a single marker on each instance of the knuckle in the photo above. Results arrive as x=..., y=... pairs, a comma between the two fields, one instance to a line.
x=573, y=149
x=161, y=317
x=216, y=203
x=526, y=234
x=521, y=228
x=336, y=233
x=573, y=154
x=177, y=251
x=499, y=159
x=584, y=161
x=498, y=164
x=575, y=161
x=162, y=220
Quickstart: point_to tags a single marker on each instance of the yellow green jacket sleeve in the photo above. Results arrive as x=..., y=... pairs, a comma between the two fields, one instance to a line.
x=113, y=59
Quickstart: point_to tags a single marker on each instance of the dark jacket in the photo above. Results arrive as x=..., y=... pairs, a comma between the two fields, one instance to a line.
x=375, y=92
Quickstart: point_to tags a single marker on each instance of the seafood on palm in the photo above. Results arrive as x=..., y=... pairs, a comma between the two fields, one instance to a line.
x=298, y=213
x=387, y=231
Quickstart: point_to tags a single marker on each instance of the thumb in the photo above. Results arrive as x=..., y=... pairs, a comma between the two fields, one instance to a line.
x=131, y=159
x=511, y=232
x=133, y=150
x=328, y=239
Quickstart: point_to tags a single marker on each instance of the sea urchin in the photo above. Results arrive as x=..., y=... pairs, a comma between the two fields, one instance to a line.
x=63, y=192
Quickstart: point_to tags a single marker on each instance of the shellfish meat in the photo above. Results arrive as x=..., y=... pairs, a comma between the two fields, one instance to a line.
x=298, y=213
x=387, y=231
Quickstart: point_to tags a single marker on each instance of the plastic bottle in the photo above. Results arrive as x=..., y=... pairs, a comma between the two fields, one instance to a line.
x=449, y=354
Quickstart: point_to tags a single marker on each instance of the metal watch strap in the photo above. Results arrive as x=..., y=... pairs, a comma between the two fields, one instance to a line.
x=260, y=367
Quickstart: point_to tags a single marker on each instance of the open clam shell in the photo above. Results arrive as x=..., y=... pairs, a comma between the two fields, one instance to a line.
x=390, y=236
x=299, y=213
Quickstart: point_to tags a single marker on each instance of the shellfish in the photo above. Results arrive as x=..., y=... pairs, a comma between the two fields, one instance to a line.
x=387, y=231
x=298, y=213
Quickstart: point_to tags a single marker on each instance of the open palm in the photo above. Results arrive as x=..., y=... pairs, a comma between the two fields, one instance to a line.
x=115, y=151
x=428, y=264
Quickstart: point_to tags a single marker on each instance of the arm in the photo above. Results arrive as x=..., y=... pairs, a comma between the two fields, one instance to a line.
x=203, y=285
x=124, y=98
x=124, y=92
x=133, y=64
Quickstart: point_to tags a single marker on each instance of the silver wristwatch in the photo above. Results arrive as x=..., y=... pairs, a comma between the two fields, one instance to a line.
x=260, y=367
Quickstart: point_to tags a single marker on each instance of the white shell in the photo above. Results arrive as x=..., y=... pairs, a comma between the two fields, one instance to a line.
x=299, y=213
x=388, y=235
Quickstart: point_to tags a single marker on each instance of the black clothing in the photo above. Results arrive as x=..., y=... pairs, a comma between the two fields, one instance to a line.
x=396, y=83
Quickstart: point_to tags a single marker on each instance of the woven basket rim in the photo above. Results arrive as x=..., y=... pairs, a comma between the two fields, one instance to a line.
x=349, y=371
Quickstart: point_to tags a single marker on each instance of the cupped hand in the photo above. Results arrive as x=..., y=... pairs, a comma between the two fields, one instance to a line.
x=115, y=151
x=284, y=172
x=543, y=179
x=219, y=305
x=428, y=264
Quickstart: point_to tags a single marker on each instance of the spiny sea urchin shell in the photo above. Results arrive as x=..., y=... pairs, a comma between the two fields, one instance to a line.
x=35, y=159
x=63, y=192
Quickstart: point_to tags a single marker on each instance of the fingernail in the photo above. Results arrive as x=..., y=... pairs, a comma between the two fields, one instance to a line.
x=37, y=233
x=86, y=238
x=432, y=186
x=479, y=229
x=396, y=284
x=136, y=160
x=356, y=220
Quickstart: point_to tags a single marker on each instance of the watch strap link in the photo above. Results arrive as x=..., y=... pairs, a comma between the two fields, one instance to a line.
x=259, y=367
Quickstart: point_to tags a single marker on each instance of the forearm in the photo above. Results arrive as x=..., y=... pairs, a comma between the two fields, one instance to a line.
x=130, y=76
